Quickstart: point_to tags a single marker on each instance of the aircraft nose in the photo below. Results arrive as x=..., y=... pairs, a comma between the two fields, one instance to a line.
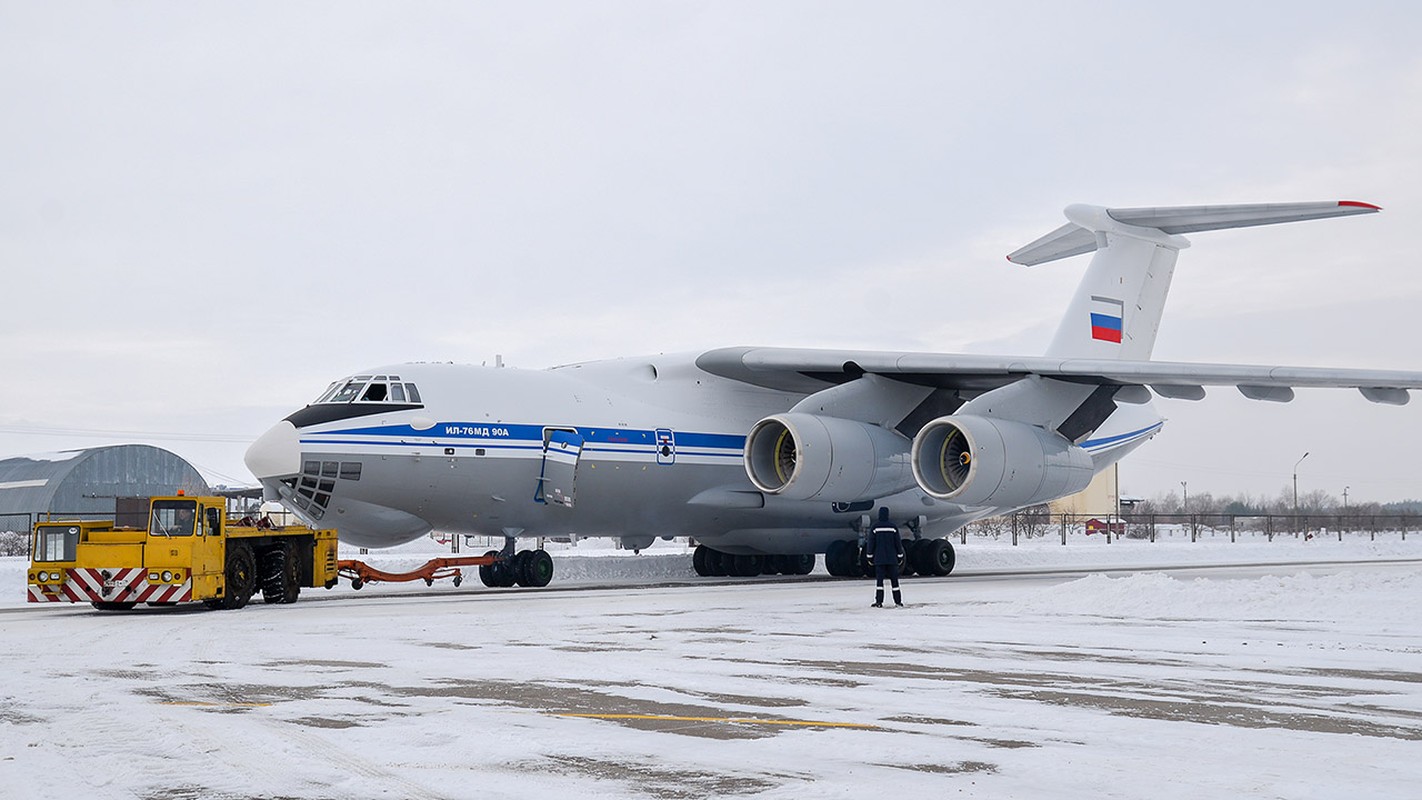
x=276, y=453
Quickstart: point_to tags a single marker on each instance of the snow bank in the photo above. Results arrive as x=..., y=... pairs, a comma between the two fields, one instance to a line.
x=1378, y=596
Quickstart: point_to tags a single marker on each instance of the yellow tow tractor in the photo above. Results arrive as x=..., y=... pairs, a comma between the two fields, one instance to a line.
x=190, y=552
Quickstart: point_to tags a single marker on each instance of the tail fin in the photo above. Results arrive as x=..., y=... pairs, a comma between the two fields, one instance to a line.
x=1117, y=308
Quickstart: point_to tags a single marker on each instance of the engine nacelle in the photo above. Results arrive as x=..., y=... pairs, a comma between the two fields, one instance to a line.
x=981, y=461
x=807, y=456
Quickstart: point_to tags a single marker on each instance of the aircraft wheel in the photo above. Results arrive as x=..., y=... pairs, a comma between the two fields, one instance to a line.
x=746, y=566
x=518, y=568
x=865, y=564
x=774, y=565
x=699, y=558
x=486, y=572
x=837, y=558
x=241, y=576
x=906, y=564
x=539, y=569
x=938, y=556
x=801, y=564
x=915, y=551
x=718, y=564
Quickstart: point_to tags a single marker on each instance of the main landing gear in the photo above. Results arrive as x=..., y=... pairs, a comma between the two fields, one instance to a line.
x=529, y=568
x=846, y=559
x=714, y=563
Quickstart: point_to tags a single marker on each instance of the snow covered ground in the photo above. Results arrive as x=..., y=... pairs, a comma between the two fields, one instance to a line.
x=1283, y=681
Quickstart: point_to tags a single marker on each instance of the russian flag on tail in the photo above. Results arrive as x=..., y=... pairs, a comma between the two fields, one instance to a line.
x=1106, y=314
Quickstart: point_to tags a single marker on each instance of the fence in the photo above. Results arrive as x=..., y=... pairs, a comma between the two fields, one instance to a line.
x=1152, y=527
x=17, y=523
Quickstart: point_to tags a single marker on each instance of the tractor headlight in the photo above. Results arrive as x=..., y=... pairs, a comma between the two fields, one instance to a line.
x=152, y=577
x=167, y=576
x=42, y=577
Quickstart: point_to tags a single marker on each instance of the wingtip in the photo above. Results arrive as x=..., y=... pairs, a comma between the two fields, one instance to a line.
x=1359, y=204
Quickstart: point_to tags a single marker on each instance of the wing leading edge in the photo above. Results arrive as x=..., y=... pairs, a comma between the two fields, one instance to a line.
x=779, y=368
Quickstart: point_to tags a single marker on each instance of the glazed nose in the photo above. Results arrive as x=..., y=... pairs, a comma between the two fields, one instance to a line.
x=276, y=453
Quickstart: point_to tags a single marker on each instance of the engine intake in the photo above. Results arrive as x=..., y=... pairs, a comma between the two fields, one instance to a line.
x=806, y=456
x=981, y=461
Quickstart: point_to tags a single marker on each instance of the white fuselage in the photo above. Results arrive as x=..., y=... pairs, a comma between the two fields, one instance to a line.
x=631, y=448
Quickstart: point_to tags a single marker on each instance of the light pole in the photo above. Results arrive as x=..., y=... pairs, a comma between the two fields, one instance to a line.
x=1185, y=503
x=1296, y=487
x=1345, y=513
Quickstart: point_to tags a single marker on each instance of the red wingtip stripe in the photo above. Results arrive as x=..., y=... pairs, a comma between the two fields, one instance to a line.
x=1357, y=204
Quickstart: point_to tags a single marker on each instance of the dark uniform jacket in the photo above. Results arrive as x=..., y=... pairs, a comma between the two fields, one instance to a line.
x=884, y=545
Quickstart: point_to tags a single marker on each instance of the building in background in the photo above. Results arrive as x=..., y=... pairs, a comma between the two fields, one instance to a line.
x=1098, y=499
x=89, y=483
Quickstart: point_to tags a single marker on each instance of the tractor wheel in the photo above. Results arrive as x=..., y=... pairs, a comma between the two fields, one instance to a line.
x=280, y=583
x=240, y=576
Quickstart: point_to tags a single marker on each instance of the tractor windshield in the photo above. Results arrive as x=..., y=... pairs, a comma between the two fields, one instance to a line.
x=172, y=518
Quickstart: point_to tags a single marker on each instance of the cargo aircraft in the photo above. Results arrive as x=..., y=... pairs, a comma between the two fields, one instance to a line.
x=769, y=456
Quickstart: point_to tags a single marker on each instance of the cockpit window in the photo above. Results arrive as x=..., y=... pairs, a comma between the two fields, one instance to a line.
x=370, y=389
x=349, y=391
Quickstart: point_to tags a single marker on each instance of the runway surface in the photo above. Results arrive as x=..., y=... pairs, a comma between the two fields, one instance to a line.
x=1286, y=681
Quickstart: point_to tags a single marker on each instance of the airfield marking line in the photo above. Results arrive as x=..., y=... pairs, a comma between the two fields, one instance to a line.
x=675, y=718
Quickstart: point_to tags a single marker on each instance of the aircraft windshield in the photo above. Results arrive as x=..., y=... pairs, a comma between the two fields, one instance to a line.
x=370, y=389
x=172, y=518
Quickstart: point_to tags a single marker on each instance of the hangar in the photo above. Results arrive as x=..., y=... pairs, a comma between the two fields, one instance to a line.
x=89, y=482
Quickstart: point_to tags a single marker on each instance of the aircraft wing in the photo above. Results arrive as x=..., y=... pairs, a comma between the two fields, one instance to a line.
x=800, y=369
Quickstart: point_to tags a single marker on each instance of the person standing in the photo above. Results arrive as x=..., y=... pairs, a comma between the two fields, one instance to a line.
x=885, y=549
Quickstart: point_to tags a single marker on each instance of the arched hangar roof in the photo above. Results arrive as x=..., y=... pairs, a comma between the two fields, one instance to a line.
x=87, y=481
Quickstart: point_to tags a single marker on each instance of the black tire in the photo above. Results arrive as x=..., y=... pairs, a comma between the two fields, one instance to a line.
x=837, y=559
x=747, y=566
x=540, y=569
x=718, y=564
x=906, y=566
x=699, y=557
x=518, y=568
x=938, y=557
x=486, y=572
x=240, y=576
x=864, y=563
x=801, y=564
x=280, y=575
x=916, y=551
x=498, y=575
x=109, y=605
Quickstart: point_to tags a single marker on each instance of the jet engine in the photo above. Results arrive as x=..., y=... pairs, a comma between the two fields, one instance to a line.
x=806, y=456
x=983, y=461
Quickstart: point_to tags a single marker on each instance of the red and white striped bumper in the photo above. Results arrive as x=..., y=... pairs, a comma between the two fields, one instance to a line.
x=84, y=585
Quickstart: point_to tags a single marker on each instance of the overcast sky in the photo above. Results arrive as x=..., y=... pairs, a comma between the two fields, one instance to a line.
x=208, y=211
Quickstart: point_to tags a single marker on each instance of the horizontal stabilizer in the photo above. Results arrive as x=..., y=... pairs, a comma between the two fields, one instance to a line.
x=1073, y=239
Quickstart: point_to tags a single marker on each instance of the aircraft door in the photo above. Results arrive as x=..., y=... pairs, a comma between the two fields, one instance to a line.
x=556, y=481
